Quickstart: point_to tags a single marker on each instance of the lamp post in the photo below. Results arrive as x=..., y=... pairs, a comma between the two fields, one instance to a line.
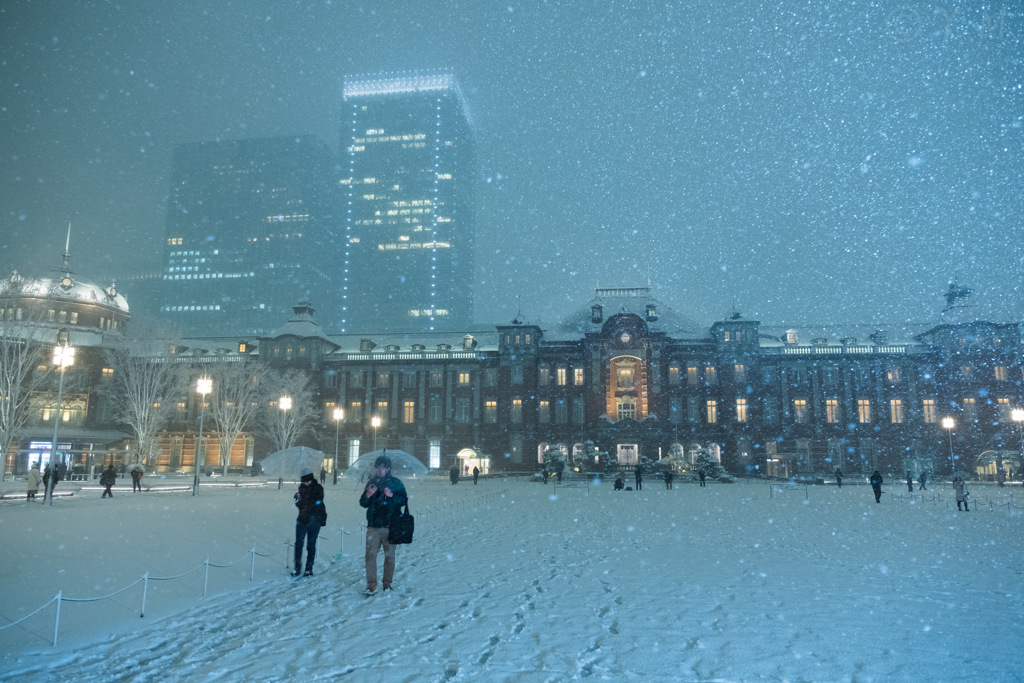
x=63, y=356
x=375, y=421
x=284, y=404
x=339, y=415
x=204, y=385
x=948, y=424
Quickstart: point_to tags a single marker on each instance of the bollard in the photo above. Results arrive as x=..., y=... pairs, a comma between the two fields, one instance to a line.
x=145, y=589
x=56, y=623
x=252, y=567
x=207, y=579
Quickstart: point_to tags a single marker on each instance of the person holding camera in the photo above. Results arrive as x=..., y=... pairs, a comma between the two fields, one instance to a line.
x=383, y=497
x=312, y=515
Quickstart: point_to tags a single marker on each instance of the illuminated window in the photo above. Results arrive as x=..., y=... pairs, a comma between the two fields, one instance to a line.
x=709, y=375
x=517, y=410
x=436, y=379
x=544, y=412
x=893, y=374
x=864, y=410
x=800, y=411
x=577, y=377
x=739, y=373
x=382, y=412
x=408, y=412
x=673, y=375
x=741, y=410
x=560, y=375
x=435, y=453
x=726, y=337
x=928, y=409
x=970, y=410
x=832, y=410
x=107, y=373
x=896, y=411
x=691, y=375
x=1004, y=409
x=625, y=377
x=1000, y=371
x=383, y=379
x=627, y=408
x=712, y=412
x=490, y=412
x=463, y=379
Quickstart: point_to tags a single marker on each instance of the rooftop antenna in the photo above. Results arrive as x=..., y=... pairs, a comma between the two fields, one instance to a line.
x=519, y=311
x=67, y=252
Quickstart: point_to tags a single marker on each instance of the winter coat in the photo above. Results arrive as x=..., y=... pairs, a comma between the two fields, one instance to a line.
x=310, y=501
x=639, y=472
x=453, y=474
x=62, y=471
x=876, y=480
x=839, y=474
x=668, y=477
x=379, y=508
x=108, y=478
x=961, y=490
x=34, y=479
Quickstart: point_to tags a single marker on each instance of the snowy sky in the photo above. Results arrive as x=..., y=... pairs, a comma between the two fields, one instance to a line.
x=809, y=161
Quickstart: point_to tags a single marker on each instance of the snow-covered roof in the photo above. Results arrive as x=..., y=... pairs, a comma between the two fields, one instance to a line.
x=635, y=300
x=835, y=334
x=77, y=290
x=415, y=342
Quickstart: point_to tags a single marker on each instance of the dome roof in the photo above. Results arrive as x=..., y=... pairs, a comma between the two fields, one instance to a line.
x=635, y=300
x=67, y=287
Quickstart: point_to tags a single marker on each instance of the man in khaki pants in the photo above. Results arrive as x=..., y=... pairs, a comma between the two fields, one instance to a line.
x=383, y=497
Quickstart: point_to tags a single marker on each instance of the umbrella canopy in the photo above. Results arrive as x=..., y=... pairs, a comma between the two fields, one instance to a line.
x=290, y=461
x=403, y=465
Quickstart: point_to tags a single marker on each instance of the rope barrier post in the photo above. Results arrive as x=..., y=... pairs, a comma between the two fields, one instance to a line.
x=145, y=589
x=56, y=623
x=286, y=554
x=252, y=567
x=206, y=580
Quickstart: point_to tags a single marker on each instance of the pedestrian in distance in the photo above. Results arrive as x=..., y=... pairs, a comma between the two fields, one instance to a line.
x=921, y=480
x=638, y=472
x=453, y=474
x=839, y=478
x=309, y=499
x=876, y=486
x=47, y=478
x=323, y=475
x=544, y=473
x=619, y=483
x=668, y=479
x=960, y=488
x=61, y=472
x=703, y=475
x=476, y=475
x=558, y=470
x=137, y=479
x=34, y=479
x=910, y=482
x=107, y=480
x=383, y=497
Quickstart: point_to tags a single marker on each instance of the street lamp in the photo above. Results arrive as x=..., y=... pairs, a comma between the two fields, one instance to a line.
x=339, y=415
x=376, y=423
x=284, y=404
x=948, y=424
x=204, y=385
x=63, y=356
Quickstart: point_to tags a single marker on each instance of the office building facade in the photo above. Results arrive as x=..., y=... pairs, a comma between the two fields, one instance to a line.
x=409, y=204
x=250, y=230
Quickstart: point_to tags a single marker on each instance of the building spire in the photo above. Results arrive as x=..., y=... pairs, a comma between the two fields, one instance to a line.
x=67, y=252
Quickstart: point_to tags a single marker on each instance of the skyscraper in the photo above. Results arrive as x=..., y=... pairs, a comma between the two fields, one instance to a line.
x=411, y=165
x=249, y=226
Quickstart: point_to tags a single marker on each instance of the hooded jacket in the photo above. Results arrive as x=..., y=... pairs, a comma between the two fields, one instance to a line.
x=310, y=501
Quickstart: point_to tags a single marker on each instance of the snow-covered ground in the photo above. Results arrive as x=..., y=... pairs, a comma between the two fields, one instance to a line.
x=523, y=582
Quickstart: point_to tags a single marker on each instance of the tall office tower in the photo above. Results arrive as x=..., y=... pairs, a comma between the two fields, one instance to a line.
x=411, y=168
x=249, y=233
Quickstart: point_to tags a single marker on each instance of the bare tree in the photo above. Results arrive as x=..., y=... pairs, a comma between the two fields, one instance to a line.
x=147, y=383
x=234, y=401
x=23, y=344
x=284, y=427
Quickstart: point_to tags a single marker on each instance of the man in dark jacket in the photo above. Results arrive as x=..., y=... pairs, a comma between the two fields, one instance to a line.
x=839, y=477
x=910, y=482
x=668, y=479
x=476, y=475
x=453, y=474
x=312, y=515
x=876, y=486
x=383, y=497
x=639, y=473
x=108, y=479
x=921, y=479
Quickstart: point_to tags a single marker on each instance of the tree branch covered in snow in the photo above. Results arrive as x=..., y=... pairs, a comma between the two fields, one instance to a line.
x=234, y=401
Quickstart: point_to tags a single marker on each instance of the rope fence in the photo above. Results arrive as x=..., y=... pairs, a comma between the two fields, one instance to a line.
x=446, y=509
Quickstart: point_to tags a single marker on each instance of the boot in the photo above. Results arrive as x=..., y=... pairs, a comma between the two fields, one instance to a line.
x=309, y=570
x=958, y=506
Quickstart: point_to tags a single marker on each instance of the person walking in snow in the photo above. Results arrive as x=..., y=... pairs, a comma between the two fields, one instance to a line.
x=558, y=470
x=876, y=486
x=703, y=475
x=107, y=480
x=839, y=478
x=476, y=475
x=34, y=479
x=137, y=478
x=312, y=515
x=668, y=479
x=960, y=487
x=383, y=497
x=453, y=474
x=323, y=475
x=639, y=474
x=921, y=479
x=910, y=481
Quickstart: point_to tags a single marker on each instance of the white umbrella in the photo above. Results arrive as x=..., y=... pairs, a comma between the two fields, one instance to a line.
x=405, y=466
x=290, y=461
